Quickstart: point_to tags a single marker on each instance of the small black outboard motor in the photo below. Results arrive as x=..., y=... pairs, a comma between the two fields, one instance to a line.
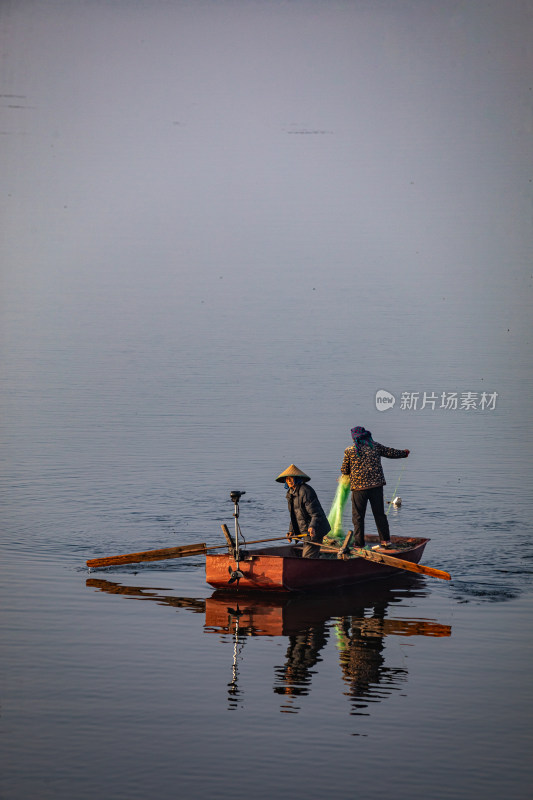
x=236, y=574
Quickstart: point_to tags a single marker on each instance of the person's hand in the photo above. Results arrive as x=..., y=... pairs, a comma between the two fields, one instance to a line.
x=407, y=452
x=311, y=532
x=289, y=536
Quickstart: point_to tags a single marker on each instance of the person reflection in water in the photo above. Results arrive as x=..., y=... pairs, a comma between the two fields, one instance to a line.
x=307, y=517
x=294, y=678
x=360, y=641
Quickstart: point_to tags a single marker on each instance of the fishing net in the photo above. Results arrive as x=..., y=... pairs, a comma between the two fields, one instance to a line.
x=337, y=533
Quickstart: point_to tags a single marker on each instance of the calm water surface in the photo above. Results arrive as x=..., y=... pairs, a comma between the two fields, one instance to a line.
x=208, y=272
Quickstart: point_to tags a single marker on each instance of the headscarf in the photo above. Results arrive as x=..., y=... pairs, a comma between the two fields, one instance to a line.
x=361, y=436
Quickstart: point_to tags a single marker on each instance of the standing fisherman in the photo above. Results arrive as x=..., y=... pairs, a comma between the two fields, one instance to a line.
x=306, y=514
x=362, y=462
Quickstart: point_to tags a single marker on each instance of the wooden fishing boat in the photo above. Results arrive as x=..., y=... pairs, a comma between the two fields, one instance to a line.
x=282, y=568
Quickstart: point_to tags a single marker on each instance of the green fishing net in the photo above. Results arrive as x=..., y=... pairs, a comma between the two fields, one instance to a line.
x=337, y=507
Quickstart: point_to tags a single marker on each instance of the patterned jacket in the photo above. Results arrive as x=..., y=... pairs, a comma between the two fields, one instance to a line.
x=365, y=469
x=306, y=512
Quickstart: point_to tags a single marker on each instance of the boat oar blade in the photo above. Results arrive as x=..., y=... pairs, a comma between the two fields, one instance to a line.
x=399, y=563
x=149, y=555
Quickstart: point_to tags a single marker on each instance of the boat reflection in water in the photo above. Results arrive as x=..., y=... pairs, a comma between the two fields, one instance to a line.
x=358, y=621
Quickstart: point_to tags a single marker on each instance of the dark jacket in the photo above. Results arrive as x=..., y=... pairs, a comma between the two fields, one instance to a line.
x=365, y=468
x=306, y=512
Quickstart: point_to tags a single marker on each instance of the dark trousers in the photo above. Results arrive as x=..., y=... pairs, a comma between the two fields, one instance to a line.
x=359, y=502
x=311, y=550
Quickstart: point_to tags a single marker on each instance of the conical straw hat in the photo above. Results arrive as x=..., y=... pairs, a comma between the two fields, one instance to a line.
x=293, y=472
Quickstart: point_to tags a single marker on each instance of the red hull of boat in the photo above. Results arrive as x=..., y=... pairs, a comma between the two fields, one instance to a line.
x=281, y=569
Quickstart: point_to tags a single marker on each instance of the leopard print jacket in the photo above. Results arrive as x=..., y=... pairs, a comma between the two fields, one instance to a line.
x=365, y=469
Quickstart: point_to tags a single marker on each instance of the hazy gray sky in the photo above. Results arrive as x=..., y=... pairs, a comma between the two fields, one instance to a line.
x=179, y=139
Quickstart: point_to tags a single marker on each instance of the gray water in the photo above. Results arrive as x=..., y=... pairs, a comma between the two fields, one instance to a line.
x=227, y=227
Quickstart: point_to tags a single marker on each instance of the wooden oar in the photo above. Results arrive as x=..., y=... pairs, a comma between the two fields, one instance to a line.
x=166, y=552
x=392, y=561
x=381, y=558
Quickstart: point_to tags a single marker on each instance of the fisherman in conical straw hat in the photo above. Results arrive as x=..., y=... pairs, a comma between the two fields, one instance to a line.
x=307, y=516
